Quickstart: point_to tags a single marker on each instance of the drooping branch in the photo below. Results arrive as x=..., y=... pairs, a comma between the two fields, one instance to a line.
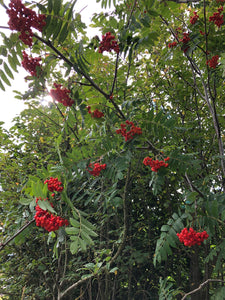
x=81, y=72
x=201, y=286
x=2, y=245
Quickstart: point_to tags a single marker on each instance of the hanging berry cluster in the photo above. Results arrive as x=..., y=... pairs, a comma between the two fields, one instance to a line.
x=22, y=19
x=61, y=95
x=30, y=64
x=54, y=185
x=96, y=113
x=182, y=37
x=194, y=18
x=185, y=39
x=128, y=135
x=47, y=220
x=217, y=18
x=172, y=45
x=155, y=164
x=213, y=62
x=108, y=43
x=95, y=169
x=191, y=237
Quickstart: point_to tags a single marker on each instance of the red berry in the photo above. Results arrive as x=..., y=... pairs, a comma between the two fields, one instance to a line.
x=108, y=44
x=22, y=19
x=61, y=95
x=54, y=185
x=95, y=169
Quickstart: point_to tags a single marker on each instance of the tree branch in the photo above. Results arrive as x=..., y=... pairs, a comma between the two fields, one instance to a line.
x=2, y=245
x=80, y=71
x=201, y=286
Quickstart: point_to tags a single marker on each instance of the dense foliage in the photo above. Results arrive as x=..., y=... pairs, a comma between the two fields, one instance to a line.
x=114, y=189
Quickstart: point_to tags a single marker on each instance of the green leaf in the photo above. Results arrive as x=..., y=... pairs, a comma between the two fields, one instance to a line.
x=74, y=246
x=113, y=270
x=26, y=201
x=82, y=244
x=4, y=78
x=87, y=238
x=75, y=223
x=2, y=86
x=89, y=231
x=57, y=29
x=56, y=6
x=12, y=63
x=63, y=34
x=72, y=230
x=8, y=71
x=50, y=5
x=45, y=205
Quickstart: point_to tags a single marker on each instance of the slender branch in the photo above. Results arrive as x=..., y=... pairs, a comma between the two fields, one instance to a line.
x=74, y=133
x=45, y=115
x=61, y=295
x=131, y=13
x=82, y=83
x=80, y=71
x=201, y=286
x=73, y=65
x=115, y=75
x=194, y=188
x=2, y=245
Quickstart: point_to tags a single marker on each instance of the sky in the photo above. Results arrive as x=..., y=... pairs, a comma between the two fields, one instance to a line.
x=9, y=106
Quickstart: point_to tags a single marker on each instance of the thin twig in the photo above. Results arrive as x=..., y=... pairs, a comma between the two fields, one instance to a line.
x=115, y=75
x=2, y=245
x=131, y=13
x=194, y=188
x=201, y=286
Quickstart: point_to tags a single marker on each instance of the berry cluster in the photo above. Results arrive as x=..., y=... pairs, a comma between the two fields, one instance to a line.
x=155, y=164
x=194, y=18
x=213, y=62
x=47, y=220
x=96, y=113
x=191, y=237
x=128, y=135
x=61, y=95
x=30, y=64
x=54, y=185
x=95, y=169
x=172, y=45
x=216, y=18
x=185, y=39
x=22, y=19
x=108, y=43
